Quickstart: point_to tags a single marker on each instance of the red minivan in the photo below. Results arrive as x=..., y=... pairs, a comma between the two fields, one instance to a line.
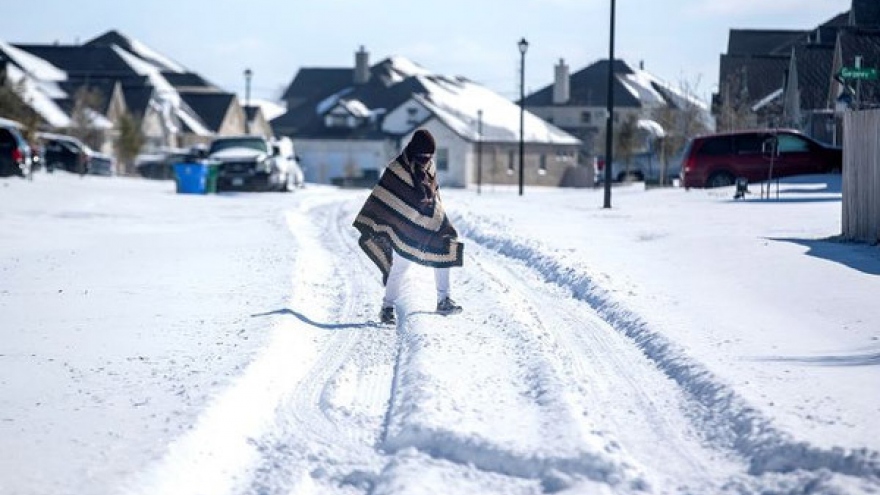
x=717, y=160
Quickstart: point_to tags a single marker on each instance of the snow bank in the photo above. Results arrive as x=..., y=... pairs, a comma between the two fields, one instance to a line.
x=735, y=423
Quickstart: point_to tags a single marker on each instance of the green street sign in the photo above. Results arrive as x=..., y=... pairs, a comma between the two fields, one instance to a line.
x=864, y=73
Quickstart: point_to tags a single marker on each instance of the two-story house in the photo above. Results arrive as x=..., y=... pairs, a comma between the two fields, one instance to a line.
x=349, y=122
x=792, y=78
x=578, y=104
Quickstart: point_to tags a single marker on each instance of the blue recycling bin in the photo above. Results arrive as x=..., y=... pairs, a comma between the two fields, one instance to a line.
x=194, y=178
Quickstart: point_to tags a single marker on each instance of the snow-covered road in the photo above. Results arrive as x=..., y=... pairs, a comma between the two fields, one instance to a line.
x=528, y=391
x=545, y=384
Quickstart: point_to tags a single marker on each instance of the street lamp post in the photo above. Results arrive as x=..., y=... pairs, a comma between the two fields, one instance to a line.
x=609, y=127
x=523, y=46
x=247, y=98
x=479, y=150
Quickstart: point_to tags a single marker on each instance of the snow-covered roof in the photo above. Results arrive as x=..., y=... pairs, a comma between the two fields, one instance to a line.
x=652, y=126
x=152, y=72
x=166, y=92
x=35, y=66
x=646, y=87
x=147, y=53
x=355, y=107
x=270, y=109
x=458, y=102
x=767, y=100
x=38, y=98
x=327, y=103
x=401, y=68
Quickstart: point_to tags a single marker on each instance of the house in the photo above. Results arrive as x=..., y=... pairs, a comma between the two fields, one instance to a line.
x=348, y=122
x=256, y=121
x=792, y=78
x=175, y=107
x=578, y=104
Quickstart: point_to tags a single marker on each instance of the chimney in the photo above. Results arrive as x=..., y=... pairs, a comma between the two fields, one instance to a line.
x=361, y=66
x=641, y=65
x=561, y=84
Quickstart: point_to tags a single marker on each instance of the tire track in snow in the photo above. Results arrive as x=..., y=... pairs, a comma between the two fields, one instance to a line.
x=728, y=418
x=618, y=389
x=511, y=416
x=325, y=437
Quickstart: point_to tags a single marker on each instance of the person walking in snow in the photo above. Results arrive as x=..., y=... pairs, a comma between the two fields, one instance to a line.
x=403, y=221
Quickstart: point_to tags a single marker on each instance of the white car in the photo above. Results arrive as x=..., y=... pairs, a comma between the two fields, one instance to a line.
x=254, y=163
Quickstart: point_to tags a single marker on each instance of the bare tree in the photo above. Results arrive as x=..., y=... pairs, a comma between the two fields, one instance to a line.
x=86, y=104
x=681, y=122
x=734, y=111
x=129, y=141
x=626, y=142
x=14, y=106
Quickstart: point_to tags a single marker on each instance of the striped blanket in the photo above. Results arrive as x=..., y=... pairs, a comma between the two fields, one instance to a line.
x=391, y=219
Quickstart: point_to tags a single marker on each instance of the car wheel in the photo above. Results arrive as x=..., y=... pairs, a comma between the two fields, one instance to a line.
x=720, y=179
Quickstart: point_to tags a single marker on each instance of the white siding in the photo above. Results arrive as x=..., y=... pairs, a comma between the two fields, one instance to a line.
x=323, y=160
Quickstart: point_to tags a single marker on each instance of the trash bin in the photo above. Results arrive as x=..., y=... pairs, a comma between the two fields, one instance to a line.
x=213, y=173
x=192, y=178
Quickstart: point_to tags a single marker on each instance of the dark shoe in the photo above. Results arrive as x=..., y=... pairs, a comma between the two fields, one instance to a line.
x=387, y=316
x=448, y=307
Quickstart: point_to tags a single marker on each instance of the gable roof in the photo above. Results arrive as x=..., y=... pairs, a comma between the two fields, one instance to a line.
x=763, y=41
x=757, y=61
x=814, y=65
x=136, y=48
x=386, y=89
x=753, y=76
x=312, y=82
x=189, y=81
x=82, y=60
x=453, y=101
x=210, y=107
x=633, y=88
x=865, y=14
x=589, y=88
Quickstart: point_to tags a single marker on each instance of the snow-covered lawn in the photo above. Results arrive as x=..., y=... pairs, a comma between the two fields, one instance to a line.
x=679, y=342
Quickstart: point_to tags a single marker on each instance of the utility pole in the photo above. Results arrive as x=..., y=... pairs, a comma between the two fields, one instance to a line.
x=609, y=127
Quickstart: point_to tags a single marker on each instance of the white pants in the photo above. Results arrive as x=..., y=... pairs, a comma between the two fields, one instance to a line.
x=399, y=265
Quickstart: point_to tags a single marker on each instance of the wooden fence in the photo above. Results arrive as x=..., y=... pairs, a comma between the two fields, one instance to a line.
x=861, y=176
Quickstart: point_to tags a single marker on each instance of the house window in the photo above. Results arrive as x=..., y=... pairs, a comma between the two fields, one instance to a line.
x=442, y=159
x=337, y=120
x=586, y=117
x=563, y=155
x=412, y=115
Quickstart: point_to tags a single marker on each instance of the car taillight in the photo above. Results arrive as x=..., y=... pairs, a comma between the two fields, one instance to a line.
x=690, y=163
x=17, y=155
x=600, y=164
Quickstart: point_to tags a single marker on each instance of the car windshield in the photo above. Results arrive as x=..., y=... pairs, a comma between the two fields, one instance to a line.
x=251, y=143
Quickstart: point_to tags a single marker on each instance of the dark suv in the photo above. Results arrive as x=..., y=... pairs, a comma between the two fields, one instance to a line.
x=15, y=153
x=717, y=160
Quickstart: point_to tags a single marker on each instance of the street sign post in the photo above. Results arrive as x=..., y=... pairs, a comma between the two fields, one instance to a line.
x=858, y=73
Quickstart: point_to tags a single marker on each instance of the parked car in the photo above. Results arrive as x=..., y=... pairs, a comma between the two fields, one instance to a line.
x=159, y=164
x=717, y=160
x=15, y=153
x=645, y=167
x=253, y=163
x=62, y=152
x=101, y=163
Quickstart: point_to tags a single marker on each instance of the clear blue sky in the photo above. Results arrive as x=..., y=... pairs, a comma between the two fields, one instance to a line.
x=678, y=40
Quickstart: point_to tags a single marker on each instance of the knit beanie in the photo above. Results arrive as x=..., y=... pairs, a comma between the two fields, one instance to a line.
x=422, y=142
